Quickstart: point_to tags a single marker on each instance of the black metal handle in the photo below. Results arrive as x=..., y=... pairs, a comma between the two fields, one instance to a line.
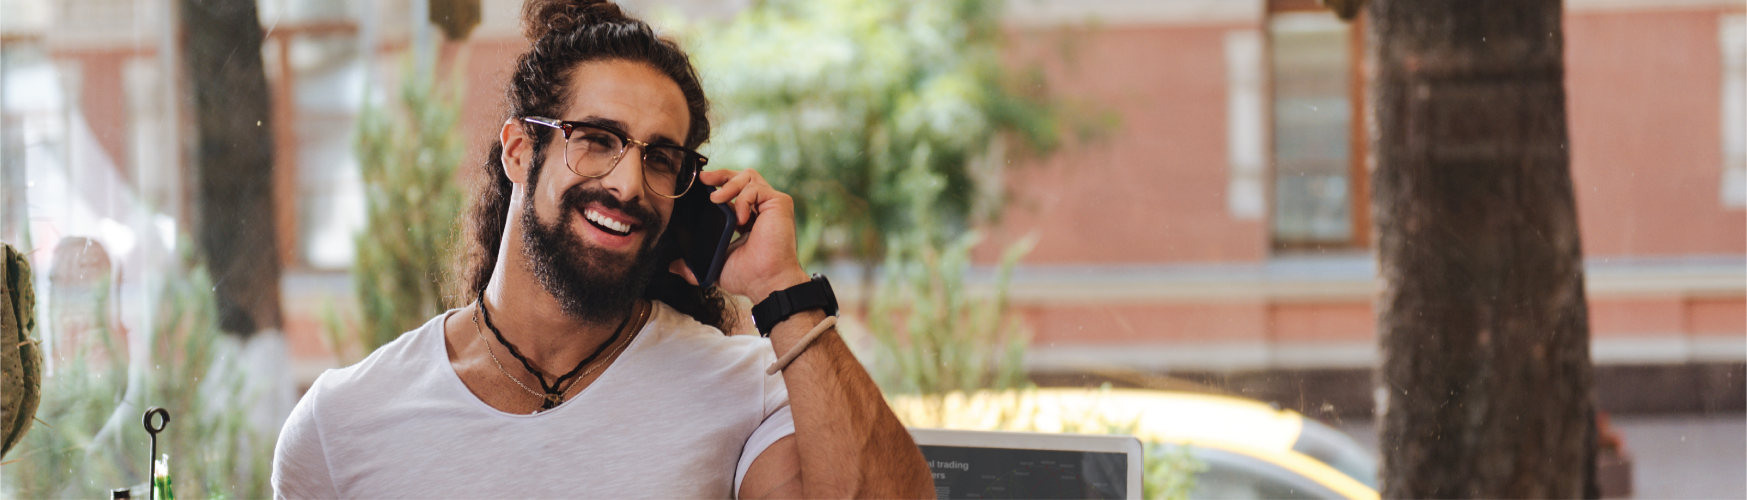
x=151, y=460
x=155, y=429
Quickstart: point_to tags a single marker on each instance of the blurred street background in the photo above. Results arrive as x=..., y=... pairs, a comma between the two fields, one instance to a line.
x=1158, y=194
x=1675, y=456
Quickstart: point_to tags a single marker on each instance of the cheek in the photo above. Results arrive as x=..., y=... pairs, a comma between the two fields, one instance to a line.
x=549, y=206
x=664, y=208
x=664, y=212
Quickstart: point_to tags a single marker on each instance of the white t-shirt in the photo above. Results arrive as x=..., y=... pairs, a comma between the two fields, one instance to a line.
x=681, y=414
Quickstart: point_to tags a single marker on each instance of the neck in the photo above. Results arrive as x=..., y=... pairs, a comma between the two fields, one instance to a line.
x=532, y=320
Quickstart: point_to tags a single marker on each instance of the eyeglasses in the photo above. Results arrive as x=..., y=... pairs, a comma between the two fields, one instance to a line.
x=593, y=151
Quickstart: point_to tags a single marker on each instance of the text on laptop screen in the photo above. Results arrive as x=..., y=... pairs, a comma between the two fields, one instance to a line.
x=971, y=472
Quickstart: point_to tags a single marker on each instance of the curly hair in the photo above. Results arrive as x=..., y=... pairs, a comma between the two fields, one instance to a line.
x=564, y=35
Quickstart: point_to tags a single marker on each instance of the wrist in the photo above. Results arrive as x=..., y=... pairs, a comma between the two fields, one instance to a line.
x=806, y=319
x=780, y=305
x=781, y=281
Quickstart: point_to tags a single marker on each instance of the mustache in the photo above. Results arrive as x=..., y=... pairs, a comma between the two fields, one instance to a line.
x=578, y=197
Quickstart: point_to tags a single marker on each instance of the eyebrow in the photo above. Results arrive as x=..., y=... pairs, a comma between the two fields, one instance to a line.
x=609, y=123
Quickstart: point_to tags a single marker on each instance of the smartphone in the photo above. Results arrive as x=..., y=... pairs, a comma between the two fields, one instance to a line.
x=702, y=231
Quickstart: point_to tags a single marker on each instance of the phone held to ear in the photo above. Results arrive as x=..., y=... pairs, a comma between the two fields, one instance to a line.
x=702, y=231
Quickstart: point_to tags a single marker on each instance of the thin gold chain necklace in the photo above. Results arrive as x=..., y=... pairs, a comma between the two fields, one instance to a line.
x=553, y=397
x=488, y=350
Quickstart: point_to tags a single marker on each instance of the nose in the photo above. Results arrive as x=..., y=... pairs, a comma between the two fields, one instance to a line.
x=625, y=181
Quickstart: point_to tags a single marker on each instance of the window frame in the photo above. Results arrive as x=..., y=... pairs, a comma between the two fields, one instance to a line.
x=1358, y=143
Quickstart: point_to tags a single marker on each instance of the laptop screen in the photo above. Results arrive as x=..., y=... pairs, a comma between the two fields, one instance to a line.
x=981, y=464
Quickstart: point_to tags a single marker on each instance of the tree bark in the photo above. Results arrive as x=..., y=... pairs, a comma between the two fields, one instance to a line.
x=1483, y=322
x=233, y=160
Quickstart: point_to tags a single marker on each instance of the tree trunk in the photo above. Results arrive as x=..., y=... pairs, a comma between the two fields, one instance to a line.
x=1483, y=322
x=233, y=160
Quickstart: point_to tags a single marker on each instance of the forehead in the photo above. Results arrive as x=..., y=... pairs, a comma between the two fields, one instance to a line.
x=633, y=93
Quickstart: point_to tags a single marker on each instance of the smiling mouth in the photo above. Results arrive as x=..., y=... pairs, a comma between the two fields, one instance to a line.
x=607, y=224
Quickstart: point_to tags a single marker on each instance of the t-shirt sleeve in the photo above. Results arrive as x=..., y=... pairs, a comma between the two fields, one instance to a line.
x=300, y=461
x=778, y=423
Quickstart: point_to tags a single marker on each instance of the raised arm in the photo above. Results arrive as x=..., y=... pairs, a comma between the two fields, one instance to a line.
x=847, y=442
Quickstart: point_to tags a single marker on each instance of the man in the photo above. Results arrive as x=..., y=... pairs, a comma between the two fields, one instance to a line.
x=563, y=379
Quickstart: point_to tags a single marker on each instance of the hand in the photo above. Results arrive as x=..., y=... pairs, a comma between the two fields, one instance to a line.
x=763, y=259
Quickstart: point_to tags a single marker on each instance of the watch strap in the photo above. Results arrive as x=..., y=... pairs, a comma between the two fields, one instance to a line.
x=814, y=294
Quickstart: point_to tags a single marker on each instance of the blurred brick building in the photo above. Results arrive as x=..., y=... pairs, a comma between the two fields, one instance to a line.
x=1217, y=233
x=1221, y=232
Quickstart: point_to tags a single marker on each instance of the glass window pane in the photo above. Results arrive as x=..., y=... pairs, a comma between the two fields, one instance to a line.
x=1312, y=130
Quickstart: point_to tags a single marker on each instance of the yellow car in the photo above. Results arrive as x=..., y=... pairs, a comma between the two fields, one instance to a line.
x=1249, y=449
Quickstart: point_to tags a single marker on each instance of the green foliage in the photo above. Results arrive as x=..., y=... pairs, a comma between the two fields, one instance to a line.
x=1170, y=471
x=935, y=335
x=407, y=154
x=889, y=122
x=842, y=103
x=1169, y=468
x=91, y=439
x=21, y=389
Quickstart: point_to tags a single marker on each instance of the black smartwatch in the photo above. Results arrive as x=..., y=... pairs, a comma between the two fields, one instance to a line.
x=784, y=303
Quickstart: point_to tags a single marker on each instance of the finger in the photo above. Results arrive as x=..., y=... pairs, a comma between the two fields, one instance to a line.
x=746, y=227
x=743, y=205
x=742, y=193
x=678, y=267
x=730, y=188
x=716, y=177
x=754, y=198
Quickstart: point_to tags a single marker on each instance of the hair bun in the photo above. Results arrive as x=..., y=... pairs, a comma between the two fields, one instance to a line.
x=540, y=17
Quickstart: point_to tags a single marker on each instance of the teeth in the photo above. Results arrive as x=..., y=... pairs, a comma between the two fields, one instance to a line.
x=606, y=221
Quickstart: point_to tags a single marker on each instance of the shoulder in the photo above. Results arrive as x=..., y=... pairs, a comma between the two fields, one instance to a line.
x=685, y=351
x=678, y=353
x=328, y=412
x=674, y=330
x=416, y=357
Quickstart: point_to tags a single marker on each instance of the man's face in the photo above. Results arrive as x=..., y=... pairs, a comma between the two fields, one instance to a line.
x=571, y=224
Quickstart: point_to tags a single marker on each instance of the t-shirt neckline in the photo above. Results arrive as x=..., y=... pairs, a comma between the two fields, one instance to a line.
x=656, y=313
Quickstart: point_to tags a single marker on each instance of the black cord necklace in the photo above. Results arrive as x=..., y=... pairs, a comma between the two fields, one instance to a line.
x=554, y=395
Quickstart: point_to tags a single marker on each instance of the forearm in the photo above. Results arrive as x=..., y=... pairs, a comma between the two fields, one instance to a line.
x=850, y=443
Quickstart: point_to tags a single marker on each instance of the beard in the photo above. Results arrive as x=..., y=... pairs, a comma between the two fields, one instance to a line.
x=591, y=284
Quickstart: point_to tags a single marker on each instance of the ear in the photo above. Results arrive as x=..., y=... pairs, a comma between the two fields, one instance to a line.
x=518, y=150
x=678, y=267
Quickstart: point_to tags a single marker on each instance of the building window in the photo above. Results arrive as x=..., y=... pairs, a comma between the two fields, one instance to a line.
x=1318, y=175
x=316, y=60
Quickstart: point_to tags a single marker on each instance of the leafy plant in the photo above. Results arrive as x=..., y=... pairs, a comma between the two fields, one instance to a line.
x=1169, y=468
x=1170, y=471
x=407, y=153
x=834, y=100
x=935, y=334
x=91, y=439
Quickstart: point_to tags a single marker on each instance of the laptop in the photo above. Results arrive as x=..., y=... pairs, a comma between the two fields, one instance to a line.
x=989, y=464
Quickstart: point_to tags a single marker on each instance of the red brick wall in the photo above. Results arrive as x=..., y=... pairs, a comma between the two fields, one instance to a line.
x=1153, y=188
x=489, y=64
x=1644, y=92
x=1644, y=101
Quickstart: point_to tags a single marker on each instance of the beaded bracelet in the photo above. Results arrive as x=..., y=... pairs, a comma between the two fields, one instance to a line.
x=795, y=351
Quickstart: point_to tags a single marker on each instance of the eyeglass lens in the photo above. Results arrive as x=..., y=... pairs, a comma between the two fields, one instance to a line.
x=593, y=152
